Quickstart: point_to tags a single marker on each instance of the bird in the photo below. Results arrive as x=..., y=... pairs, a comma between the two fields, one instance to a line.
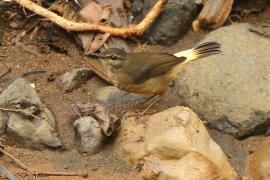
x=149, y=73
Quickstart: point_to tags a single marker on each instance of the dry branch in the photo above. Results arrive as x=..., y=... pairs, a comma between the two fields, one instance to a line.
x=19, y=111
x=3, y=74
x=60, y=174
x=137, y=30
x=17, y=161
x=43, y=173
x=213, y=14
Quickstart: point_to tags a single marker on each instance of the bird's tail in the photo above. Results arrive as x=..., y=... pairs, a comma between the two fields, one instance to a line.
x=200, y=51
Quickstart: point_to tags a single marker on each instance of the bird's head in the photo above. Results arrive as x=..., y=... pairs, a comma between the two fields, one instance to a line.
x=112, y=56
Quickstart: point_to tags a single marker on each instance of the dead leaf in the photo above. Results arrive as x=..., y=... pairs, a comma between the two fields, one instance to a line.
x=118, y=12
x=86, y=40
x=94, y=13
x=97, y=43
x=108, y=122
x=91, y=12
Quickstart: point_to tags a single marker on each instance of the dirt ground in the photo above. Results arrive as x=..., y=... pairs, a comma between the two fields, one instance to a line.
x=107, y=164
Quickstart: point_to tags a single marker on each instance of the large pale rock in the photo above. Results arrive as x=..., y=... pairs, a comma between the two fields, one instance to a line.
x=231, y=90
x=31, y=131
x=170, y=136
x=258, y=164
x=192, y=166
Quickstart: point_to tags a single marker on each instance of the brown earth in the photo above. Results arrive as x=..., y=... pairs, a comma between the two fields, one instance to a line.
x=107, y=164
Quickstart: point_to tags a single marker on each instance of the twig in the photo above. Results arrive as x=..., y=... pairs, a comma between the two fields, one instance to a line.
x=60, y=174
x=19, y=111
x=36, y=174
x=17, y=161
x=138, y=29
x=8, y=70
x=6, y=173
x=3, y=56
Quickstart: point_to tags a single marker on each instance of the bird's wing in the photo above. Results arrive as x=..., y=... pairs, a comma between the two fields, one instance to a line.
x=157, y=64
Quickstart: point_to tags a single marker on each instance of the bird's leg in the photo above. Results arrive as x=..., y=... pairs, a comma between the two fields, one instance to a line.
x=155, y=97
x=149, y=98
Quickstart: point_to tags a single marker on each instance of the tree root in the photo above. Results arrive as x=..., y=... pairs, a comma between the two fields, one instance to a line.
x=136, y=30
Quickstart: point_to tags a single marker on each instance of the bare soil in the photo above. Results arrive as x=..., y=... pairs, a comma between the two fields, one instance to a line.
x=107, y=164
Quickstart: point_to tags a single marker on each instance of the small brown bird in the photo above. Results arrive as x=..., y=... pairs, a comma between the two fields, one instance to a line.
x=150, y=73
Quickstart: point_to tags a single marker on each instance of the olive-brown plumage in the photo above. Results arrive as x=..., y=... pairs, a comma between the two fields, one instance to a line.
x=150, y=73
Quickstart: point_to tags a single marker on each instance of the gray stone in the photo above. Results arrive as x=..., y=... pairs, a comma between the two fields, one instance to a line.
x=19, y=92
x=90, y=134
x=34, y=132
x=111, y=96
x=29, y=130
x=170, y=25
x=74, y=79
x=231, y=90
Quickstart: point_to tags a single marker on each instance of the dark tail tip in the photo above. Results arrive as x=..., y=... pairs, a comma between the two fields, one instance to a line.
x=208, y=48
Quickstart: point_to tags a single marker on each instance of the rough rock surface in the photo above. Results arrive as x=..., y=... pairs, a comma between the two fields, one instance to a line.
x=3, y=122
x=74, y=79
x=258, y=165
x=199, y=167
x=32, y=131
x=170, y=25
x=171, y=141
x=231, y=90
x=90, y=134
x=111, y=96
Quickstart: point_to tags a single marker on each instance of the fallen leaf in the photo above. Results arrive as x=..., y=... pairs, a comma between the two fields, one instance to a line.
x=108, y=122
x=94, y=13
x=86, y=40
x=97, y=43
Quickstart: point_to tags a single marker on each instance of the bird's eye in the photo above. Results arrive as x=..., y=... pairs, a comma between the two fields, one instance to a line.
x=113, y=57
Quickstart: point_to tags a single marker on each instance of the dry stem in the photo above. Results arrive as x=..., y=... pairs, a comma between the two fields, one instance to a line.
x=19, y=111
x=60, y=174
x=16, y=160
x=36, y=174
x=137, y=30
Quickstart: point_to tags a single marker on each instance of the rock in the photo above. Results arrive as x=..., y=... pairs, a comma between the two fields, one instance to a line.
x=170, y=25
x=19, y=92
x=90, y=134
x=258, y=164
x=74, y=79
x=173, y=138
x=199, y=167
x=3, y=122
x=231, y=91
x=111, y=96
x=33, y=132
x=29, y=130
